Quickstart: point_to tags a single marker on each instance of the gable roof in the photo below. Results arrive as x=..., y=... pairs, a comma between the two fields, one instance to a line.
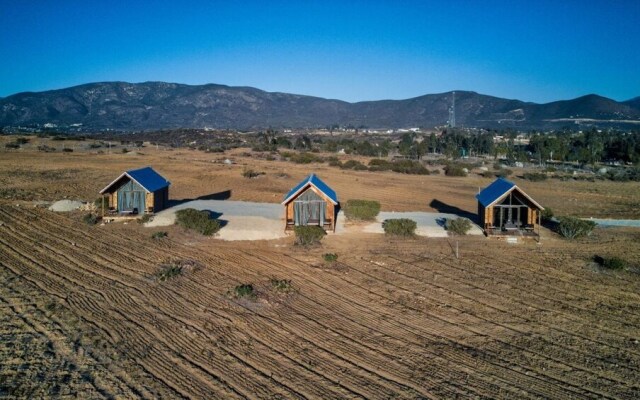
x=312, y=180
x=146, y=177
x=498, y=189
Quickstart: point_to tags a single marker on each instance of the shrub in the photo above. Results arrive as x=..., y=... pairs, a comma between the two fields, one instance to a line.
x=168, y=271
x=304, y=158
x=363, y=210
x=546, y=214
x=573, y=228
x=458, y=226
x=46, y=149
x=12, y=145
x=399, y=227
x=250, y=173
x=281, y=285
x=308, y=235
x=454, y=170
x=89, y=219
x=144, y=219
x=199, y=221
x=124, y=150
x=535, y=176
x=488, y=174
x=175, y=267
x=244, y=290
x=503, y=173
x=159, y=235
x=354, y=164
x=67, y=150
x=400, y=166
x=409, y=167
x=330, y=257
x=614, y=263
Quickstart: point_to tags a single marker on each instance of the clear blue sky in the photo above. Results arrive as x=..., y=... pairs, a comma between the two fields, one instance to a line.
x=350, y=50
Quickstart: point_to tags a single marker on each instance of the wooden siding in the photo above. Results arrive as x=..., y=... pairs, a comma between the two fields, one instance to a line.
x=330, y=211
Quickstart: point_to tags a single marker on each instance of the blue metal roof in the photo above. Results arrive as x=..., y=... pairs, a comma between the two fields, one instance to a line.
x=499, y=188
x=493, y=192
x=148, y=178
x=315, y=181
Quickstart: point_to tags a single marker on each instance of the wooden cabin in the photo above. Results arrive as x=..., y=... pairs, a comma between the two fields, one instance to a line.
x=311, y=202
x=506, y=210
x=134, y=193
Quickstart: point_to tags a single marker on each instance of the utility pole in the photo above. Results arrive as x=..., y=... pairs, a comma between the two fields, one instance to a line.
x=452, y=111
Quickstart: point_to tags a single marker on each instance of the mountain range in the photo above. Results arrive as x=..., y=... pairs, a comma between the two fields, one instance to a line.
x=161, y=105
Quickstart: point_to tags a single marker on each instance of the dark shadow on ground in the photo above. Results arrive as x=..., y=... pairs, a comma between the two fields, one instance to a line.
x=224, y=195
x=216, y=215
x=449, y=209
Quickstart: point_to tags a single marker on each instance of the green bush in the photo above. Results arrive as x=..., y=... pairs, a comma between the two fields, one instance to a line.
x=250, y=173
x=90, y=219
x=399, y=227
x=363, y=210
x=145, y=218
x=546, y=214
x=244, y=290
x=12, y=145
x=330, y=257
x=168, y=271
x=400, y=166
x=355, y=165
x=535, y=176
x=308, y=235
x=67, y=150
x=488, y=174
x=303, y=158
x=281, y=285
x=614, y=263
x=199, y=221
x=454, y=170
x=46, y=149
x=503, y=173
x=573, y=228
x=159, y=235
x=458, y=226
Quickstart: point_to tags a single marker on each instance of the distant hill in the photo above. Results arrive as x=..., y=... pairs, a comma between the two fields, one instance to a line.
x=160, y=105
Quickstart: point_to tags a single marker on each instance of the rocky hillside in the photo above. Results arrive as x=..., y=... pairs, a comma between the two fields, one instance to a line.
x=159, y=105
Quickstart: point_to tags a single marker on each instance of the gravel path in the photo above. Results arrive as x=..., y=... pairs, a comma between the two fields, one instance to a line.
x=428, y=223
x=244, y=220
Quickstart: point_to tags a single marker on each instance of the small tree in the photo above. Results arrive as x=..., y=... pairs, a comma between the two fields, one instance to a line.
x=573, y=228
x=399, y=227
x=458, y=226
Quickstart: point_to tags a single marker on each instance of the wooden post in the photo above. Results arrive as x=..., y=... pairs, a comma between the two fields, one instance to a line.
x=539, y=222
x=457, y=253
x=102, y=206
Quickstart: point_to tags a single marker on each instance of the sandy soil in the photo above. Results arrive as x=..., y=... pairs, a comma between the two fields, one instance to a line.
x=84, y=315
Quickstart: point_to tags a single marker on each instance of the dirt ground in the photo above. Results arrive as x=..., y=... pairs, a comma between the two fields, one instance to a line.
x=84, y=315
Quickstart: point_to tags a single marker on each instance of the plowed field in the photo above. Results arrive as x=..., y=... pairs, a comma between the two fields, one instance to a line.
x=84, y=315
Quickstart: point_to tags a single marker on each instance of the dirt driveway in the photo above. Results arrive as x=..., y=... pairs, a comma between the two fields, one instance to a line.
x=430, y=224
x=244, y=220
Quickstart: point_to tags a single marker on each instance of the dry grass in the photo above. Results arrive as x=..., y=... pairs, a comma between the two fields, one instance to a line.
x=81, y=316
